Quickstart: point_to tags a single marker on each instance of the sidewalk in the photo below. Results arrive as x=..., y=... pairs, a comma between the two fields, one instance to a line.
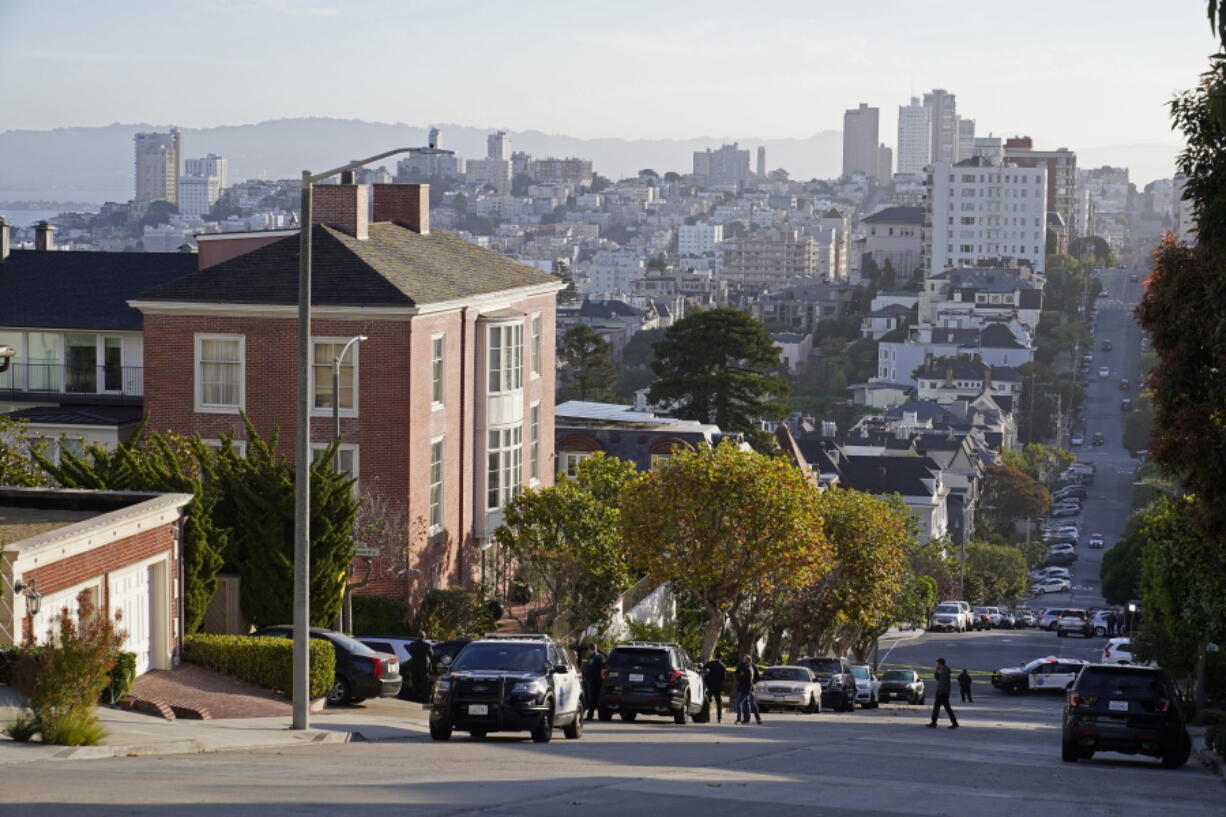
x=133, y=733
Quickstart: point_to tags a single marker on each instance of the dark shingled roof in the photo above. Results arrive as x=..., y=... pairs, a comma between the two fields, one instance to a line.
x=82, y=290
x=896, y=215
x=608, y=309
x=395, y=266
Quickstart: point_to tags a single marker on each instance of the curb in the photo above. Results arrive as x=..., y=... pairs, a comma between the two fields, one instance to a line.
x=185, y=746
x=1210, y=761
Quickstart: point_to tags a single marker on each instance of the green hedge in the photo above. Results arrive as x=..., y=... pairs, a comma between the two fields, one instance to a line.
x=267, y=662
x=379, y=615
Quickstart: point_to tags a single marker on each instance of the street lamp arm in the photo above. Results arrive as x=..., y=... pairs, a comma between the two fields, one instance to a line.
x=317, y=177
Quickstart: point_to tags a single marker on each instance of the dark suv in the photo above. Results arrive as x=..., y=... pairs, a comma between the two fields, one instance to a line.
x=508, y=683
x=838, y=684
x=361, y=672
x=1127, y=709
x=654, y=678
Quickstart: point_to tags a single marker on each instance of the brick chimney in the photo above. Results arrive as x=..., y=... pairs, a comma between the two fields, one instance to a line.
x=344, y=207
x=406, y=204
x=44, y=236
x=4, y=239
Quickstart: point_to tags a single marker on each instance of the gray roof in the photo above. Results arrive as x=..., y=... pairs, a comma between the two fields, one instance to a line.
x=80, y=415
x=394, y=266
x=896, y=215
x=788, y=337
x=889, y=311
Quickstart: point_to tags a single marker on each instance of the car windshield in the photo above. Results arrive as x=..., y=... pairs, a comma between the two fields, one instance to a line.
x=350, y=645
x=622, y=658
x=899, y=675
x=947, y=608
x=512, y=657
x=824, y=664
x=1121, y=682
x=860, y=672
x=785, y=674
x=1038, y=662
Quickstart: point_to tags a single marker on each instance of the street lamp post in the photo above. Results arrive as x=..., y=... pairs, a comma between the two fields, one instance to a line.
x=302, y=459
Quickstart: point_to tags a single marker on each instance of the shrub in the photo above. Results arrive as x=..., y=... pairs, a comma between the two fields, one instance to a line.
x=1211, y=717
x=1215, y=739
x=266, y=662
x=122, y=676
x=8, y=658
x=459, y=613
x=23, y=729
x=64, y=681
x=379, y=615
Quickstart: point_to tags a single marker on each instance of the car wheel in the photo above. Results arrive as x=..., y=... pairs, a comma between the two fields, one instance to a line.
x=629, y=717
x=1052, y=626
x=340, y=692
x=479, y=734
x=574, y=729
x=1100, y=631
x=1015, y=689
x=812, y=707
x=543, y=731
x=682, y=715
x=440, y=731
x=873, y=703
x=604, y=714
x=1178, y=756
x=849, y=703
x=704, y=715
x=1069, y=752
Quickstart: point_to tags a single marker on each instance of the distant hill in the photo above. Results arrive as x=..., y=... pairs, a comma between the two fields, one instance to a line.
x=100, y=159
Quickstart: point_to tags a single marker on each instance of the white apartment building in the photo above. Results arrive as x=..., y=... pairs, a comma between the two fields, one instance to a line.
x=860, y=128
x=726, y=167
x=943, y=115
x=769, y=257
x=966, y=138
x=494, y=172
x=614, y=272
x=498, y=146
x=211, y=165
x=914, y=137
x=978, y=210
x=699, y=239
x=198, y=194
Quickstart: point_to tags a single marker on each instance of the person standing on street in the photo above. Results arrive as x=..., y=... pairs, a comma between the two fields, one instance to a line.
x=593, y=679
x=964, y=684
x=746, y=675
x=421, y=659
x=942, y=697
x=713, y=674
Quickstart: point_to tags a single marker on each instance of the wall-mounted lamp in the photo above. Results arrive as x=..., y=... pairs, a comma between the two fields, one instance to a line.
x=34, y=599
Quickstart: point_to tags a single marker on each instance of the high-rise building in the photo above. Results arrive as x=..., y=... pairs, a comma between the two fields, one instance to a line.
x=943, y=118
x=493, y=172
x=201, y=184
x=211, y=165
x=421, y=166
x=885, y=164
x=860, y=141
x=966, y=138
x=726, y=167
x=981, y=209
x=761, y=161
x=158, y=158
x=561, y=171
x=914, y=137
x=1061, y=167
x=769, y=257
x=498, y=146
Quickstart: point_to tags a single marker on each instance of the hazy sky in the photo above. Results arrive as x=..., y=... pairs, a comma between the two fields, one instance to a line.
x=1075, y=73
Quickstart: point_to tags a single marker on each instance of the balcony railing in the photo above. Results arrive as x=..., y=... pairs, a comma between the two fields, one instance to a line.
x=73, y=379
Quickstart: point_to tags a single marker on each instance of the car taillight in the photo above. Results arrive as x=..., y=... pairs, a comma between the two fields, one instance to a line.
x=378, y=665
x=1074, y=698
x=1107, y=651
x=670, y=677
x=604, y=673
x=1163, y=704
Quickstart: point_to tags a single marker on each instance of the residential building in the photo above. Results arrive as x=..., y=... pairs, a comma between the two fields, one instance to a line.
x=966, y=297
x=883, y=320
x=562, y=171
x=211, y=165
x=860, y=141
x=966, y=138
x=446, y=408
x=498, y=146
x=979, y=210
x=894, y=236
x=1061, y=167
x=804, y=305
x=493, y=172
x=581, y=429
x=419, y=166
x=950, y=379
x=198, y=194
x=158, y=161
x=914, y=137
x=996, y=344
x=794, y=348
x=768, y=257
x=885, y=165
x=727, y=167
x=943, y=123
x=762, y=162
x=699, y=239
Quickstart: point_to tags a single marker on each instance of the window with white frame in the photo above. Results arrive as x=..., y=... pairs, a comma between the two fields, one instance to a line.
x=325, y=351
x=659, y=459
x=503, y=471
x=438, y=363
x=436, y=485
x=568, y=461
x=220, y=361
x=534, y=442
x=536, y=345
x=239, y=446
x=506, y=350
x=346, y=458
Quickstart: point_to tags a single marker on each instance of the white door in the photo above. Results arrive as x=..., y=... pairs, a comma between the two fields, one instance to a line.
x=130, y=597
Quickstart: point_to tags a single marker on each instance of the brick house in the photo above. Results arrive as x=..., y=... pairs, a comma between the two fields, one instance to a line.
x=119, y=547
x=447, y=406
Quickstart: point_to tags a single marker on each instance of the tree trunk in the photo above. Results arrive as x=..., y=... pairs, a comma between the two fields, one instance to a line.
x=710, y=636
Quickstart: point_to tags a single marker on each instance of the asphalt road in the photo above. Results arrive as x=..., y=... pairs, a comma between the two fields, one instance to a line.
x=1004, y=761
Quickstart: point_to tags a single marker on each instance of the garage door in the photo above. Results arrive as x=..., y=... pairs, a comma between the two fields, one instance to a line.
x=130, y=596
x=49, y=611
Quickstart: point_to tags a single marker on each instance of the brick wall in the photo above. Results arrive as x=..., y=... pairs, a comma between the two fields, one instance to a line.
x=408, y=204
x=343, y=206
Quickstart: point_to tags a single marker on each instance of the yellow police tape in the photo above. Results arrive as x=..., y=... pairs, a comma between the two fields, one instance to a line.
x=927, y=671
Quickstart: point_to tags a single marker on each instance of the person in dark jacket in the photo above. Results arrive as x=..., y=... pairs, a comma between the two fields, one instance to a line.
x=593, y=679
x=942, y=696
x=421, y=658
x=714, y=672
x=746, y=676
x=964, y=685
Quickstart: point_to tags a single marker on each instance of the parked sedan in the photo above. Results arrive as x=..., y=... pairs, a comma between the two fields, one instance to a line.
x=789, y=687
x=867, y=686
x=361, y=672
x=1103, y=371
x=902, y=685
x=1096, y=540
x=1050, y=586
x=1077, y=439
x=1064, y=511
x=1117, y=651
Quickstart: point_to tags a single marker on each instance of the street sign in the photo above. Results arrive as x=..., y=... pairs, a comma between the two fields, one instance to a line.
x=367, y=553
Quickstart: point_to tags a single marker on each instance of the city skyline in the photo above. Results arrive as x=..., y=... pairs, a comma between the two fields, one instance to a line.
x=1064, y=87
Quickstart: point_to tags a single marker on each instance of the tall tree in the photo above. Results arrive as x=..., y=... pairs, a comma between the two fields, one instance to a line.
x=587, y=372
x=565, y=539
x=16, y=465
x=1010, y=496
x=720, y=366
x=1039, y=462
x=725, y=525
